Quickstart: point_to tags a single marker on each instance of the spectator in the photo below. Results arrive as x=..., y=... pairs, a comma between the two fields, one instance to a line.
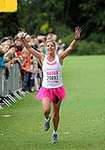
x=2, y=61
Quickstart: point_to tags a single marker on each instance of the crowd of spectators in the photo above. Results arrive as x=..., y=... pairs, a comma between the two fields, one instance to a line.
x=13, y=51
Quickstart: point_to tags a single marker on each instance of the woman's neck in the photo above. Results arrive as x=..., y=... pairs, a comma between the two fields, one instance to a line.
x=51, y=57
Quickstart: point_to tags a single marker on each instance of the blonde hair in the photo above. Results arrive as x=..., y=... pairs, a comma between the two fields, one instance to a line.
x=51, y=40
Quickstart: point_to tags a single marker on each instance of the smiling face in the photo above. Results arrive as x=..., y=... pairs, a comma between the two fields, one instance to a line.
x=51, y=47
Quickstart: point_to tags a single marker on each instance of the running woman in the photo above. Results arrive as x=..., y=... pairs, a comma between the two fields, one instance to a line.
x=52, y=91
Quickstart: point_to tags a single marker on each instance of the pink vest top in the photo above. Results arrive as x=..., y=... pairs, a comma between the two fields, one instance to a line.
x=52, y=73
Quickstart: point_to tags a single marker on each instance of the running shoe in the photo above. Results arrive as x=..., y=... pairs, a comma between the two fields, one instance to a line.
x=54, y=138
x=47, y=124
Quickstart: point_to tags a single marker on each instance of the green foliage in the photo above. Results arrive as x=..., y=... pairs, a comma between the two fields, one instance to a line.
x=97, y=37
x=64, y=32
x=45, y=28
x=40, y=17
x=8, y=24
x=94, y=13
x=93, y=45
x=1, y=34
x=34, y=14
x=90, y=48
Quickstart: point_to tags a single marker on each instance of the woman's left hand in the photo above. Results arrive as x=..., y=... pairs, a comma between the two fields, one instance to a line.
x=77, y=33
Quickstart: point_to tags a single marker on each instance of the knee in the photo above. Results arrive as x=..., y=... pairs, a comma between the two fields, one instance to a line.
x=46, y=110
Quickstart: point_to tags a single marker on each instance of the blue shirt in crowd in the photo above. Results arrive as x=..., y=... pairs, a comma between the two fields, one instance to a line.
x=2, y=62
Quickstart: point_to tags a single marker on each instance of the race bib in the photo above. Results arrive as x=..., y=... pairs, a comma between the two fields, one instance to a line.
x=52, y=76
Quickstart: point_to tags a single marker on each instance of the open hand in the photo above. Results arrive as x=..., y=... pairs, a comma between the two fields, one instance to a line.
x=21, y=35
x=77, y=33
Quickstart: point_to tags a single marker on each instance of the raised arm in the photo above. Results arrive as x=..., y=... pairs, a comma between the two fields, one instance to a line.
x=72, y=45
x=31, y=50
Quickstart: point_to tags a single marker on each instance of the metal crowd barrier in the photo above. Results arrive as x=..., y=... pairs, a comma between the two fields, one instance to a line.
x=10, y=88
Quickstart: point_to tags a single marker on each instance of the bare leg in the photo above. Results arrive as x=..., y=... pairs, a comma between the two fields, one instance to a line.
x=46, y=110
x=46, y=104
x=56, y=108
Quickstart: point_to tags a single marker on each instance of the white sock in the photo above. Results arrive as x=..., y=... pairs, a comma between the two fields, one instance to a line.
x=46, y=119
x=54, y=132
